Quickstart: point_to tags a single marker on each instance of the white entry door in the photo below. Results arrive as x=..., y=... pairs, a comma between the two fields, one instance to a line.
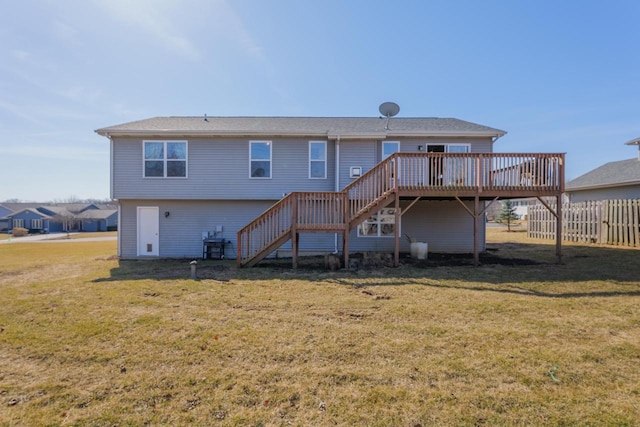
x=148, y=231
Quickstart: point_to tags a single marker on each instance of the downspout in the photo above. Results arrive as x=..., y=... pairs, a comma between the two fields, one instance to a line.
x=337, y=188
x=111, y=187
x=111, y=171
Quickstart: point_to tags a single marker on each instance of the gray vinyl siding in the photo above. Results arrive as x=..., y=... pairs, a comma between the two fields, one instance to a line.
x=444, y=225
x=219, y=169
x=219, y=191
x=356, y=153
x=627, y=192
x=181, y=232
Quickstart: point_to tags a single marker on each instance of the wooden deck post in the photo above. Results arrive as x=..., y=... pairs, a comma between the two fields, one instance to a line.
x=476, y=226
x=294, y=232
x=559, y=228
x=347, y=228
x=396, y=254
x=345, y=247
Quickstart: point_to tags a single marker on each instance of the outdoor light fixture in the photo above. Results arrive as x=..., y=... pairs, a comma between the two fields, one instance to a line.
x=166, y=214
x=420, y=147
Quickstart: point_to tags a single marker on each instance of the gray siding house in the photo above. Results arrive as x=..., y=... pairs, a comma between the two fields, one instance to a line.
x=181, y=179
x=613, y=180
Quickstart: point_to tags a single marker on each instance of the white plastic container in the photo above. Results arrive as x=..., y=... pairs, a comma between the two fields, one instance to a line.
x=419, y=250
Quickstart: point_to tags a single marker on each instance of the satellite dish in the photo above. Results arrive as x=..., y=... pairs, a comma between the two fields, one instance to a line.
x=389, y=109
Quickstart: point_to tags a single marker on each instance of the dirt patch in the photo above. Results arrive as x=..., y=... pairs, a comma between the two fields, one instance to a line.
x=371, y=261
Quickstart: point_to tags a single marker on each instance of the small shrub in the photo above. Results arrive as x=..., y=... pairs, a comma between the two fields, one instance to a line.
x=19, y=232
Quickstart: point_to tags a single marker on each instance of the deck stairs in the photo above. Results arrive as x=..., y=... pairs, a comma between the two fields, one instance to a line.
x=407, y=175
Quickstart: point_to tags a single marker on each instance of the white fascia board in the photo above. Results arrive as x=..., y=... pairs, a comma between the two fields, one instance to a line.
x=358, y=135
x=444, y=134
x=595, y=187
x=178, y=133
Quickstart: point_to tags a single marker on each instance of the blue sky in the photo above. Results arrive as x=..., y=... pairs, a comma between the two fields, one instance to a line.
x=558, y=76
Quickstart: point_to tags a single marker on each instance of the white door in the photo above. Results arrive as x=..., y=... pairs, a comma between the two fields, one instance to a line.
x=388, y=148
x=148, y=231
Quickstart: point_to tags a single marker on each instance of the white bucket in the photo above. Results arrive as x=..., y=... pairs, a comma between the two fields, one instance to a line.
x=419, y=250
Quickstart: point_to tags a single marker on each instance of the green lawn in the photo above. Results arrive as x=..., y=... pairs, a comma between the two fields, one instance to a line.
x=86, y=339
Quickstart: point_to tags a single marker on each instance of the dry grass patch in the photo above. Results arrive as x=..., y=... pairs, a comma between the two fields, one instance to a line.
x=89, y=340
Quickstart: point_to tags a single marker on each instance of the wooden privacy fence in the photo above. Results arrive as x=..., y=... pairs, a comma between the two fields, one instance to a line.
x=611, y=222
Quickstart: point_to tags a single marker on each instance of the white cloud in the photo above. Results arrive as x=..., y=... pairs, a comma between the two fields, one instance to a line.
x=22, y=112
x=43, y=114
x=155, y=18
x=228, y=24
x=65, y=32
x=39, y=145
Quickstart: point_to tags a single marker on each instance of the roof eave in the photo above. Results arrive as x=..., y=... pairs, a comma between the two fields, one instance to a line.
x=606, y=185
x=331, y=135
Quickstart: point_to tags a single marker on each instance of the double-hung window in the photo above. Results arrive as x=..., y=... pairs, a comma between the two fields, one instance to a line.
x=317, y=159
x=17, y=223
x=381, y=224
x=165, y=159
x=260, y=163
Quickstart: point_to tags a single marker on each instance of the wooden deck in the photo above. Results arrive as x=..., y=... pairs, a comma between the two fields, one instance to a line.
x=458, y=176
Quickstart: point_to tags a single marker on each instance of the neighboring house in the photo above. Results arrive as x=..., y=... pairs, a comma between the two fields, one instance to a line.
x=98, y=220
x=613, y=180
x=273, y=186
x=58, y=217
x=4, y=220
x=4, y=211
x=31, y=219
x=62, y=219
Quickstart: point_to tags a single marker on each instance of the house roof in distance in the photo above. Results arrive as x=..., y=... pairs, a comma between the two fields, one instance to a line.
x=30, y=210
x=97, y=213
x=330, y=127
x=633, y=142
x=612, y=174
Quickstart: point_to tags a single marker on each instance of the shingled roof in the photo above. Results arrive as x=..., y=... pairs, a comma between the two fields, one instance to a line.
x=301, y=126
x=612, y=174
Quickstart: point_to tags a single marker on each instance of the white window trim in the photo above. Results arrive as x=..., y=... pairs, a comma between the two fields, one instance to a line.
x=20, y=222
x=446, y=146
x=378, y=223
x=466, y=145
x=270, y=144
x=165, y=141
x=314, y=160
x=37, y=222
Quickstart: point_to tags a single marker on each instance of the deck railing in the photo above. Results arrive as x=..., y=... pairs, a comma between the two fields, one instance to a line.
x=374, y=184
x=480, y=171
x=410, y=174
x=317, y=211
x=270, y=226
x=523, y=171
